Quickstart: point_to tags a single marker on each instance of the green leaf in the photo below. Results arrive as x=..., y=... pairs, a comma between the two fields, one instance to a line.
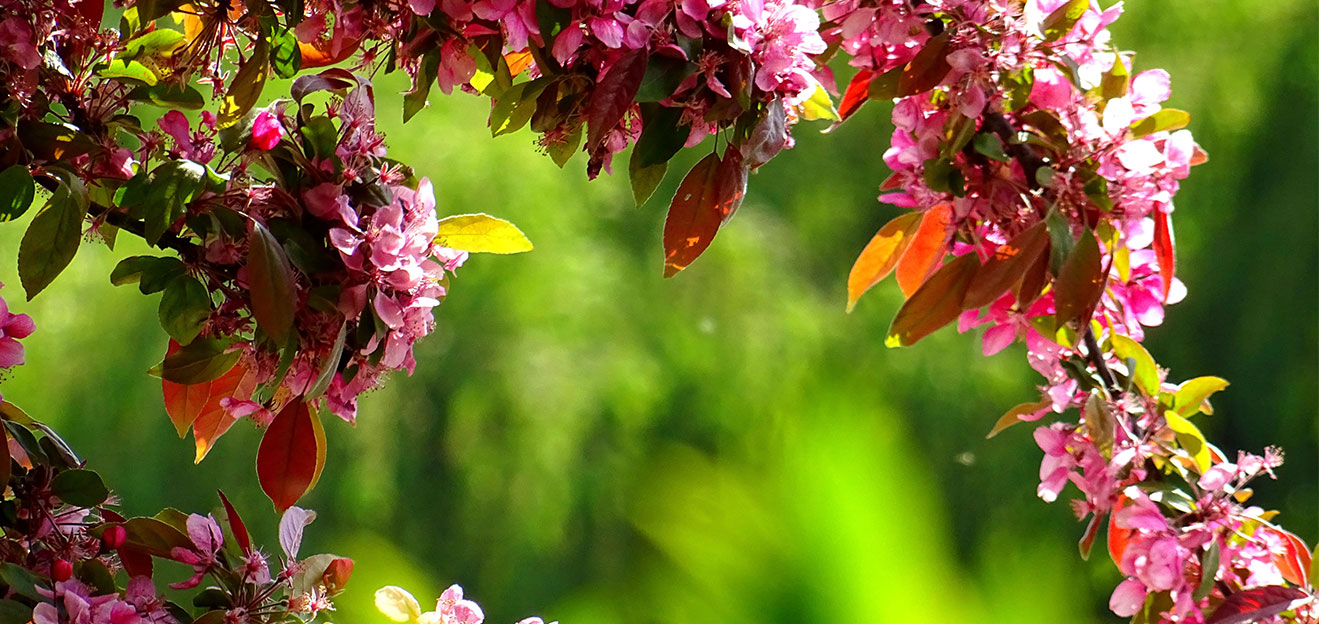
x=1147, y=372
x=184, y=308
x=285, y=56
x=562, y=151
x=1192, y=396
x=1060, y=240
x=246, y=86
x=164, y=95
x=159, y=42
x=271, y=284
x=1013, y=416
x=644, y=179
x=53, y=237
x=515, y=106
x=481, y=233
x=1060, y=22
x=201, y=361
x=80, y=488
x=1208, y=570
x=991, y=147
x=14, y=612
x=1167, y=119
x=22, y=582
x=328, y=367
x=154, y=537
x=415, y=100
x=175, y=184
x=17, y=190
x=662, y=77
x=661, y=136
x=885, y=86
x=1117, y=80
x=120, y=69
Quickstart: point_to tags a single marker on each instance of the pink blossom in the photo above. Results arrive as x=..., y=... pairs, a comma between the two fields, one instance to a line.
x=267, y=131
x=12, y=328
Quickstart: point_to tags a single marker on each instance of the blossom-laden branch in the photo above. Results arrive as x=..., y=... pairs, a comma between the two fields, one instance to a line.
x=1041, y=173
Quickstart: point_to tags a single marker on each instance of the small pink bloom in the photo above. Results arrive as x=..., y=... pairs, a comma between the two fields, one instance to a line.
x=266, y=131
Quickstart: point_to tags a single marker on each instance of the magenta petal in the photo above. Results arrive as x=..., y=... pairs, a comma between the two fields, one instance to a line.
x=11, y=353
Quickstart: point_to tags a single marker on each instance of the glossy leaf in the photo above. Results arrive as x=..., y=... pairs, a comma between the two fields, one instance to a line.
x=1146, y=373
x=1007, y=266
x=661, y=135
x=1081, y=281
x=857, y=93
x=184, y=309
x=481, y=233
x=644, y=180
x=1193, y=395
x=80, y=488
x=936, y=303
x=768, y=136
x=246, y=86
x=1294, y=562
x=1165, y=249
x=613, y=95
x=928, y=68
x=154, y=537
x=286, y=459
x=881, y=255
x=515, y=106
x=168, y=95
x=415, y=99
x=1249, y=605
x=173, y=186
x=706, y=198
x=52, y=238
x=199, y=362
x=1014, y=416
x=285, y=54
x=662, y=77
x=928, y=246
x=271, y=284
x=23, y=582
x=17, y=191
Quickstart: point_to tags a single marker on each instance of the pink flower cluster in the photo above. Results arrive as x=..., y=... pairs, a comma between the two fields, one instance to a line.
x=140, y=604
x=13, y=327
x=451, y=608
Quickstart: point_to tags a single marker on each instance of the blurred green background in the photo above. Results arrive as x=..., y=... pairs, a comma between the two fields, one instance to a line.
x=586, y=441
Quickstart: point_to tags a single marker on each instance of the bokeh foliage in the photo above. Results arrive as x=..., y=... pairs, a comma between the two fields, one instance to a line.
x=587, y=441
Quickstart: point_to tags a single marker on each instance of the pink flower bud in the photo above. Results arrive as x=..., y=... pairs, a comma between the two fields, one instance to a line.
x=266, y=131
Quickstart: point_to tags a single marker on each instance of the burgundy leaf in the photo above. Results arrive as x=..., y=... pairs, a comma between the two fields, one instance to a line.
x=613, y=96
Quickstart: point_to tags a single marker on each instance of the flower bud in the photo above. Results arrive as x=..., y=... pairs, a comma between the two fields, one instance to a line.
x=114, y=536
x=61, y=570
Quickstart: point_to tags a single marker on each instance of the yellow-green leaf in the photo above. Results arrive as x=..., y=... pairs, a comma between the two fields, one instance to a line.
x=1013, y=416
x=1191, y=440
x=820, y=106
x=481, y=233
x=1147, y=372
x=1193, y=395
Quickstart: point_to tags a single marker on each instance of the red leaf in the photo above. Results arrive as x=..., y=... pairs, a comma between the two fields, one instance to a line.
x=236, y=524
x=1295, y=563
x=613, y=96
x=936, y=303
x=1165, y=249
x=927, y=247
x=857, y=93
x=880, y=255
x=286, y=459
x=928, y=68
x=1088, y=538
x=136, y=562
x=706, y=198
x=1007, y=266
x=1080, y=282
x=1255, y=604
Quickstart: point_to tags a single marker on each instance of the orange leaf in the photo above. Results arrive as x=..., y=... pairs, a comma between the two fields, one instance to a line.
x=1295, y=563
x=927, y=248
x=518, y=62
x=286, y=459
x=880, y=256
x=706, y=198
x=337, y=574
x=1164, y=249
x=183, y=403
x=213, y=420
x=1080, y=282
x=936, y=303
x=858, y=92
x=1118, y=537
x=1007, y=266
